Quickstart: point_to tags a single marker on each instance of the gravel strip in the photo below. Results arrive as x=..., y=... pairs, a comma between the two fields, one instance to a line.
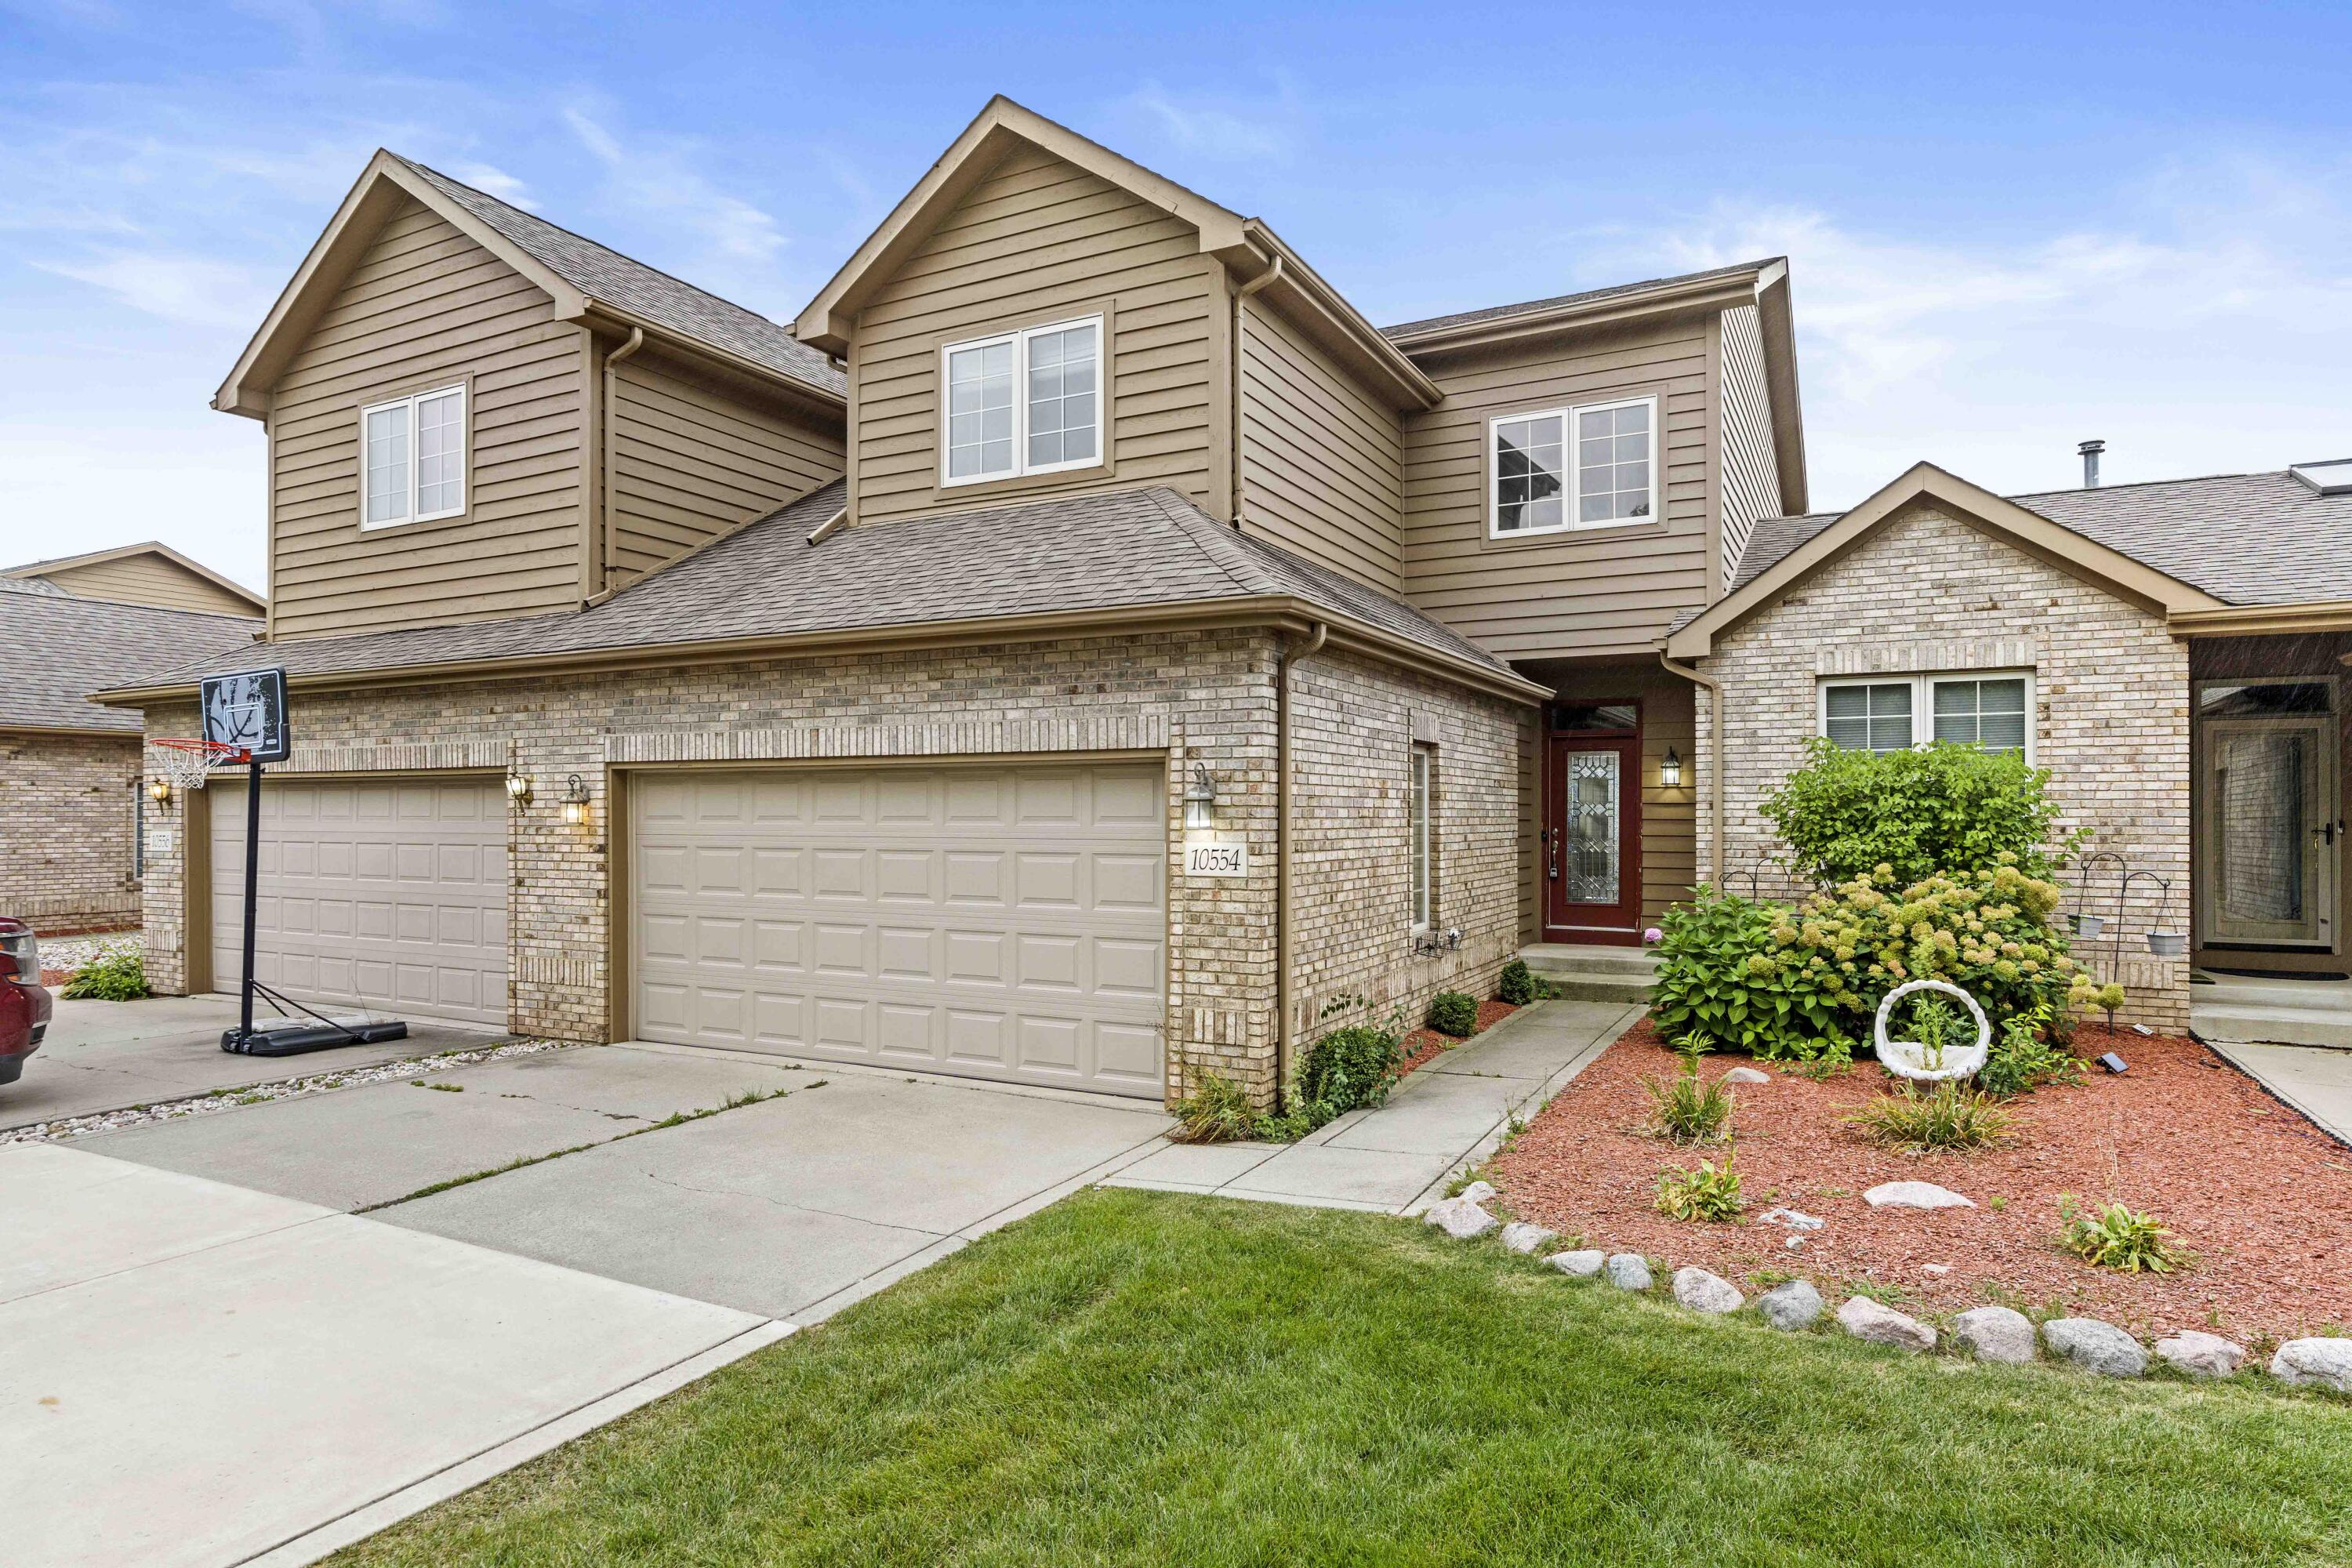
x=62, y=955
x=283, y=1089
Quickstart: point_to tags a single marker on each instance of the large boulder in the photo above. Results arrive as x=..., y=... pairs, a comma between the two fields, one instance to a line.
x=2094, y=1346
x=1790, y=1306
x=1914, y=1195
x=1705, y=1292
x=1460, y=1218
x=1629, y=1271
x=1995, y=1333
x=1521, y=1236
x=2199, y=1355
x=1882, y=1325
x=1582, y=1264
x=2327, y=1363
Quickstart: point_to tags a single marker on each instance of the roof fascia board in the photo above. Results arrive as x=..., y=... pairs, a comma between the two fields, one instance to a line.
x=153, y=547
x=2029, y=530
x=829, y=320
x=1324, y=314
x=70, y=732
x=603, y=313
x=2267, y=620
x=1777, y=319
x=1710, y=293
x=373, y=199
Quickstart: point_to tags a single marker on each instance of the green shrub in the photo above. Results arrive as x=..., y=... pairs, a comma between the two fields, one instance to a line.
x=2111, y=1237
x=1946, y=1117
x=1351, y=1066
x=2022, y=1059
x=117, y=977
x=1453, y=1013
x=1948, y=808
x=1688, y=1108
x=1517, y=985
x=1704, y=1194
x=1720, y=975
x=1218, y=1111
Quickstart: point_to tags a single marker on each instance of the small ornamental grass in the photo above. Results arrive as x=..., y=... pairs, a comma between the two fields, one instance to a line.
x=1688, y=1108
x=117, y=977
x=1218, y=1111
x=2112, y=1236
x=1947, y=1117
x=1704, y=1194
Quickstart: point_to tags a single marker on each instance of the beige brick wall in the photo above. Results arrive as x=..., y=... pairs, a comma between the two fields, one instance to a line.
x=1353, y=723
x=1930, y=594
x=65, y=814
x=1206, y=697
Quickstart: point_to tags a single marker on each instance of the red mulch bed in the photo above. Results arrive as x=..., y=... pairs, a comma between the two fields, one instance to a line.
x=2262, y=1197
x=1424, y=1046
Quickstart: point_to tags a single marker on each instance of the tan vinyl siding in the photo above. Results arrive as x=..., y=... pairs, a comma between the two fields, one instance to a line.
x=1322, y=463
x=1039, y=240
x=1582, y=593
x=148, y=580
x=429, y=306
x=691, y=459
x=1751, y=474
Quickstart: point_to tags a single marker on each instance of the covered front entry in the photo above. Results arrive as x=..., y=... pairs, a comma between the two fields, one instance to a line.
x=990, y=920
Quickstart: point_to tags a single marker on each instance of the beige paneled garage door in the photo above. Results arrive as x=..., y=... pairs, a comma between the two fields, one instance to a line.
x=1002, y=922
x=389, y=895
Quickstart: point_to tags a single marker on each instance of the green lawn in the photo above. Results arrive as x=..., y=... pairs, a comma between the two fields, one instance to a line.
x=1136, y=1378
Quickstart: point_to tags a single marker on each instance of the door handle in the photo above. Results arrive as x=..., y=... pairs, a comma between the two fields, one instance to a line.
x=1553, y=874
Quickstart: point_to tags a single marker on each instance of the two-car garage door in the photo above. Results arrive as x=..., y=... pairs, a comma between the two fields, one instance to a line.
x=1004, y=922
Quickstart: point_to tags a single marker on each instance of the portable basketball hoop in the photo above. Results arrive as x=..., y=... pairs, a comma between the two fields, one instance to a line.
x=186, y=765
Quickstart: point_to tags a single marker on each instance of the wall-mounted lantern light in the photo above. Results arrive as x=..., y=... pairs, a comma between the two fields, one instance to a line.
x=575, y=799
x=518, y=788
x=1670, y=772
x=159, y=790
x=1201, y=799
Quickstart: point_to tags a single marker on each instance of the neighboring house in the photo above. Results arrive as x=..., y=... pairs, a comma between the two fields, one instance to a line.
x=70, y=781
x=1082, y=650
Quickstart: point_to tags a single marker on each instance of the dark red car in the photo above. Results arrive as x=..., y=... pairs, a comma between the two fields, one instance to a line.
x=24, y=1000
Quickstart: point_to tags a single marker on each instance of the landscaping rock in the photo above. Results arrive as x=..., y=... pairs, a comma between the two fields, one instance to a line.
x=1460, y=1218
x=1582, y=1264
x=1795, y=1219
x=1746, y=1074
x=1629, y=1271
x=1790, y=1306
x=1995, y=1333
x=2094, y=1346
x=1868, y=1320
x=1521, y=1236
x=1477, y=1192
x=1705, y=1292
x=2200, y=1354
x=1914, y=1195
x=2327, y=1362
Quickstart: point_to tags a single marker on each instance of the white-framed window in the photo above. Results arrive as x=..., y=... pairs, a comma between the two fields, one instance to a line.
x=1417, y=817
x=1591, y=465
x=1890, y=713
x=1029, y=402
x=412, y=458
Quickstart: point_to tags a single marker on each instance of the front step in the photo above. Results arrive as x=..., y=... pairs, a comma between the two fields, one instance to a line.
x=1592, y=973
x=2272, y=1025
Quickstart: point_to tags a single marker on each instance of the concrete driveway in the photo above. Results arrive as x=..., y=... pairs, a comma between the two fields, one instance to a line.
x=256, y=1335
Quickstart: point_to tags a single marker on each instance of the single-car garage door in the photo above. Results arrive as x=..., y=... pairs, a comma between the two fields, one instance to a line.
x=1000, y=921
x=393, y=895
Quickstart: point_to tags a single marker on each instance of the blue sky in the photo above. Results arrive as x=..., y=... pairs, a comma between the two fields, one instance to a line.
x=2010, y=227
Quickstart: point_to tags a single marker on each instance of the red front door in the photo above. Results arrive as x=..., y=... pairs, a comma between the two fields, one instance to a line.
x=1592, y=838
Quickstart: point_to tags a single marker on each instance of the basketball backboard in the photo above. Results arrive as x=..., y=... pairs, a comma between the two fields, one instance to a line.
x=249, y=710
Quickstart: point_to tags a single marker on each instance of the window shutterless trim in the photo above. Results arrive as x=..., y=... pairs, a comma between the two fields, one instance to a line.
x=464, y=455
x=1922, y=699
x=1421, y=825
x=1020, y=339
x=1571, y=475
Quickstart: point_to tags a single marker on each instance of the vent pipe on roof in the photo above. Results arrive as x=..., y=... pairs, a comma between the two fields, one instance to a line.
x=2091, y=450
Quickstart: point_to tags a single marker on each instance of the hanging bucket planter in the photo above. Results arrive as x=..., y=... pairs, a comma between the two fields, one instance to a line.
x=2089, y=925
x=2167, y=943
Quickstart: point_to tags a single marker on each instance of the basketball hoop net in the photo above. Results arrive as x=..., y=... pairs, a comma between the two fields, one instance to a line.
x=188, y=763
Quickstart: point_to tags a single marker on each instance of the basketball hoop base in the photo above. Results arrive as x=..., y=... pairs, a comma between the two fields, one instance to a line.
x=293, y=1036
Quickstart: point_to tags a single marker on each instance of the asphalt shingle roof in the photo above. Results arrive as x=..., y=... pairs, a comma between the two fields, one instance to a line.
x=606, y=274
x=58, y=650
x=2246, y=539
x=1530, y=307
x=1141, y=548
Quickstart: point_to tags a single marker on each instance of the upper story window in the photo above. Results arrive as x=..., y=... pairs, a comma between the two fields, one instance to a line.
x=412, y=458
x=1896, y=712
x=1589, y=466
x=1022, y=403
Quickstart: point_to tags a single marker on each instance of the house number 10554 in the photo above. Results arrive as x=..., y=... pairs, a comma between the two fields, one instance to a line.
x=1216, y=861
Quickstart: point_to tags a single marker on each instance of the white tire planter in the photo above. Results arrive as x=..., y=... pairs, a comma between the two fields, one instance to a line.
x=1909, y=1059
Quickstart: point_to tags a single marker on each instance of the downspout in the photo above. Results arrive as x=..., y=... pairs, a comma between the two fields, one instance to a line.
x=1286, y=1031
x=604, y=489
x=1241, y=298
x=1714, y=764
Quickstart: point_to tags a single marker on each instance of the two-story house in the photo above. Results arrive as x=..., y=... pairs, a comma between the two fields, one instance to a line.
x=1078, y=650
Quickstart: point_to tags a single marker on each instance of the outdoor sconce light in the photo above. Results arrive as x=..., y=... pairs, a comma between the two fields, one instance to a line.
x=1201, y=799
x=518, y=788
x=1670, y=772
x=160, y=791
x=575, y=801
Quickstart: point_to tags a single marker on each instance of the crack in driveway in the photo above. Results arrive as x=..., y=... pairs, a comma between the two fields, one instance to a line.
x=803, y=1208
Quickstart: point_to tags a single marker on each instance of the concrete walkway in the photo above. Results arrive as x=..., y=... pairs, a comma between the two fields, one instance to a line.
x=2314, y=1080
x=1443, y=1119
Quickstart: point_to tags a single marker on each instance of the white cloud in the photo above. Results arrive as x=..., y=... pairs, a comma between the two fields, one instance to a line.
x=1223, y=127
x=658, y=181
x=179, y=287
x=495, y=181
